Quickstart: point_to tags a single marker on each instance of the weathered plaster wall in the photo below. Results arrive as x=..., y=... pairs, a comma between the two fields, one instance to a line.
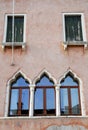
x=44, y=49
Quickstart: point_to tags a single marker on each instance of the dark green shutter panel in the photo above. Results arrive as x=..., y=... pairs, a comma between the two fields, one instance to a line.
x=18, y=29
x=73, y=28
x=9, y=29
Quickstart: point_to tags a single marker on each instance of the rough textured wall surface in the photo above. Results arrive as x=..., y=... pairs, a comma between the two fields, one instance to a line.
x=66, y=128
x=45, y=123
x=44, y=50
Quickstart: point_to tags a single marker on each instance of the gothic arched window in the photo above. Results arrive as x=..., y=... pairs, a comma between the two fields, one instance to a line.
x=44, y=99
x=70, y=96
x=19, y=97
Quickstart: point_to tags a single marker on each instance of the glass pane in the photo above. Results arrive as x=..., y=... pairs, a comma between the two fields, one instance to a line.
x=73, y=28
x=69, y=81
x=50, y=101
x=38, y=99
x=64, y=101
x=25, y=99
x=20, y=82
x=14, y=101
x=44, y=81
x=75, y=101
x=25, y=102
x=50, y=98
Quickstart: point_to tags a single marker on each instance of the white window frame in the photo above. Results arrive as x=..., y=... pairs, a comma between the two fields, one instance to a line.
x=83, y=29
x=82, y=22
x=5, y=30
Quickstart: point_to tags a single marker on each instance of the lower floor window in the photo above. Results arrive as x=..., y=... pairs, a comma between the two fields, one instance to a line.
x=19, y=98
x=70, y=101
x=44, y=103
x=45, y=97
x=70, y=97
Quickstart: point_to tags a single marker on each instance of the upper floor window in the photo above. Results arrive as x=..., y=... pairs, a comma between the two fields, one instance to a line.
x=44, y=99
x=19, y=98
x=18, y=28
x=14, y=29
x=70, y=97
x=73, y=28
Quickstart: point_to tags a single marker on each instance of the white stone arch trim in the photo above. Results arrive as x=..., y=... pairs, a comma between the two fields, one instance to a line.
x=44, y=71
x=76, y=77
x=13, y=78
x=18, y=73
x=69, y=71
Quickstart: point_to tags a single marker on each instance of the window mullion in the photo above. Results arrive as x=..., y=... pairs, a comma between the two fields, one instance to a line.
x=69, y=101
x=44, y=101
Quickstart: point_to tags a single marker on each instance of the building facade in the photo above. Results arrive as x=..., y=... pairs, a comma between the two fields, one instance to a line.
x=43, y=64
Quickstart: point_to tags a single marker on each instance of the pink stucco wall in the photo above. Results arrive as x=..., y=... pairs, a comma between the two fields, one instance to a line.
x=44, y=49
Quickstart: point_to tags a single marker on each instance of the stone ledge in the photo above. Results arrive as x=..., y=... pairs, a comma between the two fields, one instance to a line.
x=15, y=44
x=75, y=43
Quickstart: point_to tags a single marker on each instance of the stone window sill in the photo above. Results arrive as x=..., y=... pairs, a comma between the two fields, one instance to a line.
x=75, y=43
x=15, y=44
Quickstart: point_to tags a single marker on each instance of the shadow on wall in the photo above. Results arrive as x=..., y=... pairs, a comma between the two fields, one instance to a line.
x=77, y=127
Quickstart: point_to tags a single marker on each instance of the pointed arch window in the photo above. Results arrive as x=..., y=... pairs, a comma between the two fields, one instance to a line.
x=70, y=96
x=44, y=99
x=19, y=97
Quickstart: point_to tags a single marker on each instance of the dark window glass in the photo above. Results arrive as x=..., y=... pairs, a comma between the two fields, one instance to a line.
x=18, y=28
x=44, y=97
x=69, y=97
x=19, y=98
x=73, y=28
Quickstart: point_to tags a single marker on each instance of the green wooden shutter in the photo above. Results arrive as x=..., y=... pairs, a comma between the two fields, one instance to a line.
x=18, y=29
x=73, y=28
x=9, y=29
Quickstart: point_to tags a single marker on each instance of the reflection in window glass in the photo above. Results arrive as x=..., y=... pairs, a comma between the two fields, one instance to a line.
x=39, y=99
x=25, y=99
x=69, y=81
x=50, y=98
x=64, y=100
x=20, y=82
x=75, y=101
x=44, y=82
x=14, y=102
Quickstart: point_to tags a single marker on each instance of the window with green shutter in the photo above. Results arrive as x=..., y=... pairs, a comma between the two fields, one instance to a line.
x=18, y=28
x=73, y=28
